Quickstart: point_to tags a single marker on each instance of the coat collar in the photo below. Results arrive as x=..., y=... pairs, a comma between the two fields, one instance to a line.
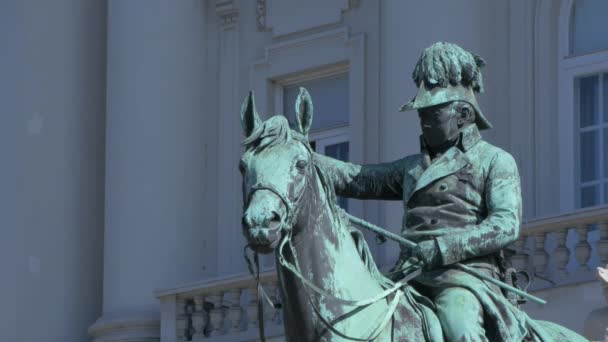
x=454, y=159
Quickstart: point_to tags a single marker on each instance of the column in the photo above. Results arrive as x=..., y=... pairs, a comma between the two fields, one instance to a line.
x=155, y=159
x=230, y=239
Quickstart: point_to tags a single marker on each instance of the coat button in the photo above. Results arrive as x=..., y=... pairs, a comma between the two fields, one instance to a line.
x=443, y=187
x=434, y=221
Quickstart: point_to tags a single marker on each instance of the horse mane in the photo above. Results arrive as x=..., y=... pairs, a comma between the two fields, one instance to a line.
x=358, y=237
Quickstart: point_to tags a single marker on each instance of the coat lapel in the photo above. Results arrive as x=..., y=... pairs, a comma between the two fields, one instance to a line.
x=414, y=175
x=450, y=162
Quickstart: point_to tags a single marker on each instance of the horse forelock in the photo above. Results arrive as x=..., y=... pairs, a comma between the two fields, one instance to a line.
x=272, y=132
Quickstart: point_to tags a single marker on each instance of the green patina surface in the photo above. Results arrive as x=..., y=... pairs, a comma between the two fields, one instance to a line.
x=462, y=204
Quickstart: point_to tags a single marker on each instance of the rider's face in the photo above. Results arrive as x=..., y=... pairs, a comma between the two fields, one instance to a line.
x=439, y=124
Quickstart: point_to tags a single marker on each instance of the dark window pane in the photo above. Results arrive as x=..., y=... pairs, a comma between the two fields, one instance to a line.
x=588, y=98
x=589, y=150
x=338, y=151
x=329, y=97
x=605, y=96
x=605, y=156
x=590, y=196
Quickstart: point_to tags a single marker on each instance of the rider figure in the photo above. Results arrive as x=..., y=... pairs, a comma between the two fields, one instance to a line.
x=461, y=197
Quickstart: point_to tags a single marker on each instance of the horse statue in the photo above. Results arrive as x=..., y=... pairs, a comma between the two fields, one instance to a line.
x=330, y=287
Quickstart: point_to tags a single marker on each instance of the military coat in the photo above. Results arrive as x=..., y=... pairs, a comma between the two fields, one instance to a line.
x=468, y=200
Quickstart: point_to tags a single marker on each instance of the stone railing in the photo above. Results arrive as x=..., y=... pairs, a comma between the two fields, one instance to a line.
x=563, y=249
x=560, y=250
x=222, y=309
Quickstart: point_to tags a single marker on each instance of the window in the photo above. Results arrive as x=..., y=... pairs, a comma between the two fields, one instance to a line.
x=583, y=104
x=329, y=131
x=593, y=139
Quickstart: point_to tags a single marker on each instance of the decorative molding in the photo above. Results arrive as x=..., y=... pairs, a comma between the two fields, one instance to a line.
x=229, y=131
x=141, y=326
x=545, y=88
x=267, y=16
x=353, y=4
x=228, y=11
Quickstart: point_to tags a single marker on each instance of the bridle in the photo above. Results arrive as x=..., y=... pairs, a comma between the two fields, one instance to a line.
x=292, y=211
x=292, y=208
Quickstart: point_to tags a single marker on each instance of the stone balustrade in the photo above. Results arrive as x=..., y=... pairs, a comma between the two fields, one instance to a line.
x=563, y=249
x=222, y=309
x=559, y=250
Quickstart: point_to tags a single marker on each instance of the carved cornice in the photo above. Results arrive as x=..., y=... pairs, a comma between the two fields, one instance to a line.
x=261, y=10
x=228, y=11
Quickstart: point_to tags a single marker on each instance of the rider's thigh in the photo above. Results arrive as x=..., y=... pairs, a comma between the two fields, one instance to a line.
x=461, y=315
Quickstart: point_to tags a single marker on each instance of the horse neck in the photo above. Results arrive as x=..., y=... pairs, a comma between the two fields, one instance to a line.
x=325, y=251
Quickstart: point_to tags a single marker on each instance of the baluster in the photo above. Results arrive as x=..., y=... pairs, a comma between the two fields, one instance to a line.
x=562, y=253
x=199, y=317
x=602, y=244
x=520, y=259
x=252, y=309
x=216, y=315
x=582, y=249
x=235, y=312
x=181, y=319
x=269, y=311
x=540, y=255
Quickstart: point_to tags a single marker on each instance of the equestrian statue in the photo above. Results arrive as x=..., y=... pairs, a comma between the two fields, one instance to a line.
x=462, y=211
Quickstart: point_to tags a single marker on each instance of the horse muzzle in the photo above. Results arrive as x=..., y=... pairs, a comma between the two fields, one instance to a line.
x=263, y=240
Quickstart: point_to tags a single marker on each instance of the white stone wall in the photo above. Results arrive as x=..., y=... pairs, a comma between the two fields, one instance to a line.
x=52, y=168
x=11, y=131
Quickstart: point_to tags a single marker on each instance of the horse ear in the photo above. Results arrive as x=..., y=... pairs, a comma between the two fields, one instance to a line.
x=304, y=111
x=249, y=115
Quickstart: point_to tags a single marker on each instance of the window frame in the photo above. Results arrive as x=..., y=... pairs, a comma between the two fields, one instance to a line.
x=571, y=68
x=599, y=127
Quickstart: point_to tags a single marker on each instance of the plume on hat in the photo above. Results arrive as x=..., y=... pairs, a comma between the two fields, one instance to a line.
x=443, y=63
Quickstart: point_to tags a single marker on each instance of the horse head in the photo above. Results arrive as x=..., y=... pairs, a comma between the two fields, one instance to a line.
x=276, y=167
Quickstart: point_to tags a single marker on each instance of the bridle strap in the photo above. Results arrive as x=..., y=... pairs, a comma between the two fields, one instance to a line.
x=260, y=292
x=294, y=268
x=292, y=208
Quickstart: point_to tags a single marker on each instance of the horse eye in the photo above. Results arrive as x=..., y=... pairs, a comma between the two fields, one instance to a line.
x=301, y=164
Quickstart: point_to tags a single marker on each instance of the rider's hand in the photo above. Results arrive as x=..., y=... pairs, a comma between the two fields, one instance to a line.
x=428, y=253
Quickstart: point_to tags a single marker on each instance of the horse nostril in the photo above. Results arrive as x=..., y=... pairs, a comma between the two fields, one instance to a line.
x=246, y=222
x=275, y=221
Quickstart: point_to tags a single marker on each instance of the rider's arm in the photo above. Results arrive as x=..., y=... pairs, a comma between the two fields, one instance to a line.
x=372, y=181
x=501, y=226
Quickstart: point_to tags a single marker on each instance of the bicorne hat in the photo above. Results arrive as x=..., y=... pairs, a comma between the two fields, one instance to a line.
x=445, y=73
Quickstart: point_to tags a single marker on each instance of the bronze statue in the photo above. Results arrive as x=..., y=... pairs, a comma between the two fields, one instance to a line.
x=462, y=203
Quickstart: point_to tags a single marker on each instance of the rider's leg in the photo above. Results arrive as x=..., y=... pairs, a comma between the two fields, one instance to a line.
x=461, y=315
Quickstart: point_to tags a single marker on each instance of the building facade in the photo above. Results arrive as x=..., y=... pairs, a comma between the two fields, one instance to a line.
x=122, y=139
